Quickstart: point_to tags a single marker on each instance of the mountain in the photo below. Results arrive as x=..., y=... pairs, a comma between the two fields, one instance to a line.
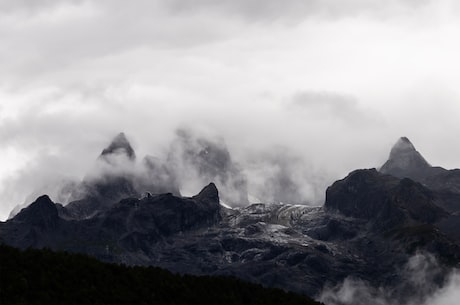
x=198, y=160
x=42, y=213
x=116, y=176
x=157, y=177
x=384, y=200
x=129, y=224
x=371, y=224
x=406, y=162
x=298, y=248
x=119, y=146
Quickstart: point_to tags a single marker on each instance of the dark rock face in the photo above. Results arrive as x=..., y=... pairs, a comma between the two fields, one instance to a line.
x=298, y=248
x=115, y=177
x=42, y=213
x=119, y=146
x=293, y=247
x=209, y=197
x=382, y=199
x=405, y=161
x=174, y=214
x=132, y=224
x=34, y=225
x=445, y=181
x=100, y=194
x=111, y=179
x=369, y=227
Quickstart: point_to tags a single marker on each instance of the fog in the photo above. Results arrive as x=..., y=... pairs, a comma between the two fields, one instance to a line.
x=300, y=92
x=424, y=282
x=188, y=163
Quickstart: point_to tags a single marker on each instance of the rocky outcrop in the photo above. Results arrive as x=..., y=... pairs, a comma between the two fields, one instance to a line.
x=42, y=213
x=34, y=226
x=405, y=161
x=293, y=247
x=369, y=227
x=119, y=146
x=384, y=200
x=153, y=217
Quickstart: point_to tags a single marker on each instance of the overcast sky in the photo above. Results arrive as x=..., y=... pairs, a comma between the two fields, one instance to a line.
x=336, y=82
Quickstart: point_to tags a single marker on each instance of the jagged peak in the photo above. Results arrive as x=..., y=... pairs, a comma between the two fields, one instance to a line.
x=42, y=211
x=208, y=194
x=404, y=160
x=403, y=145
x=120, y=144
x=41, y=201
x=44, y=198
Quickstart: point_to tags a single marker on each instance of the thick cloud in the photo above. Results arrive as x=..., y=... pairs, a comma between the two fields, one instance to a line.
x=333, y=106
x=332, y=83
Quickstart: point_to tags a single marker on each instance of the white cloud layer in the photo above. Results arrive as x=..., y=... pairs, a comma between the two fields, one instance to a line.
x=335, y=82
x=421, y=284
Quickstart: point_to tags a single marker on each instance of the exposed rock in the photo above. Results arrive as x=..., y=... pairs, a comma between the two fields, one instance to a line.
x=119, y=146
x=406, y=162
x=371, y=224
x=384, y=200
x=209, y=196
x=41, y=213
x=293, y=247
x=99, y=194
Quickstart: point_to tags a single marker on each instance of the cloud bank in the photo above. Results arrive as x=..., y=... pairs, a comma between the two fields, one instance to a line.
x=423, y=282
x=328, y=85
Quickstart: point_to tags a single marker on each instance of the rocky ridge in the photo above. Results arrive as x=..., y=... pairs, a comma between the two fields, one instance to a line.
x=370, y=225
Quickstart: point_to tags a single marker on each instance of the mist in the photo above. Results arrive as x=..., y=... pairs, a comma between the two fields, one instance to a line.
x=183, y=167
x=301, y=93
x=423, y=281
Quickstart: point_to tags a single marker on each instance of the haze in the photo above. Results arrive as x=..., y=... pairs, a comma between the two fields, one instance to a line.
x=331, y=83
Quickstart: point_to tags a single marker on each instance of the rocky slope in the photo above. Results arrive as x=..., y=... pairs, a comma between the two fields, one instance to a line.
x=370, y=225
x=406, y=162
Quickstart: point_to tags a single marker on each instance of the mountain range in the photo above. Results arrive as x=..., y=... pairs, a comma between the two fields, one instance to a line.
x=372, y=221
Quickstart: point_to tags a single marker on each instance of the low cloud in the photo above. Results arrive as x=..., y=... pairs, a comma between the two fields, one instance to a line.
x=324, y=105
x=279, y=175
x=74, y=73
x=422, y=281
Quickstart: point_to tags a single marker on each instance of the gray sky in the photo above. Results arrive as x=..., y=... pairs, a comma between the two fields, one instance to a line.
x=335, y=82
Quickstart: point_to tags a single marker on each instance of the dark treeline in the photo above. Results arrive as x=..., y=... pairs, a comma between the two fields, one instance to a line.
x=47, y=277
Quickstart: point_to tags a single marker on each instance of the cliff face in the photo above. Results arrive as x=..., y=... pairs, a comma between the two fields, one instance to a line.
x=384, y=200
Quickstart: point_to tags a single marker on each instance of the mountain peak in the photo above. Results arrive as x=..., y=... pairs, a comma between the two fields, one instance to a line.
x=120, y=145
x=404, y=160
x=403, y=145
x=42, y=212
x=208, y=195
